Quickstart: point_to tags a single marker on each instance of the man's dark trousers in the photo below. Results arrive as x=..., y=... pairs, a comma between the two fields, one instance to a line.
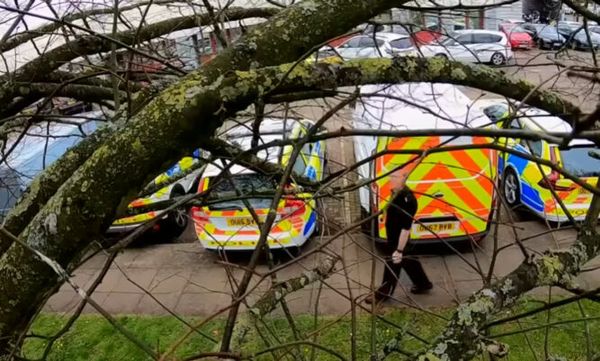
x=411, y=265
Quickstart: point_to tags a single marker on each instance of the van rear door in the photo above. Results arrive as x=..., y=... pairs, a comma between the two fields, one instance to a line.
x=455, y=189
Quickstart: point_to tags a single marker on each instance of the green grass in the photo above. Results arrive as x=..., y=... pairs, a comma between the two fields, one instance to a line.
x=93, y=338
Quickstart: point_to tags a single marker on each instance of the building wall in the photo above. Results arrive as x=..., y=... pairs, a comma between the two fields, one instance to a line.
x=544, y=11
x=494, y=16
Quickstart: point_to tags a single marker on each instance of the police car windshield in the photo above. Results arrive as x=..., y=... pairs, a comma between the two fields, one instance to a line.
x=577, y=161
x=246, y=185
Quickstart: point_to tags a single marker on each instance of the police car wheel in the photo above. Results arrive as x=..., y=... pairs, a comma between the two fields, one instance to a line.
x=175, y=223
x=510, y=188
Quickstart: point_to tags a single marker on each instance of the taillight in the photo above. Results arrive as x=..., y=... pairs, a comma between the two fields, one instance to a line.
x=201, y=185
x=199, y=215
x=292, y=207
x=549, y=182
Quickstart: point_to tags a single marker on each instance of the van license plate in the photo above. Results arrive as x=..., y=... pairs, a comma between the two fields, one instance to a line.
x=241, y=222
x=432, y=228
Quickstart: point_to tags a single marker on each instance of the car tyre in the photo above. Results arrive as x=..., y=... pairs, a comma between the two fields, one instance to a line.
x=441, y=55
x=540, y=44
x=497, y=59
x=511, y=188
x=574, y=45
x=176, y=222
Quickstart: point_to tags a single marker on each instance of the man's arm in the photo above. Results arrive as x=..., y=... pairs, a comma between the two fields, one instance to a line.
x=402, y=241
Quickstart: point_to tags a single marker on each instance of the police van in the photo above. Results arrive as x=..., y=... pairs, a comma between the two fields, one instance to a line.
x=455, y=189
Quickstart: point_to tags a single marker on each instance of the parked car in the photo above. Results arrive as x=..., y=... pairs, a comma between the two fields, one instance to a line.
x=529, y=185
x=576, y=36
x=35, y=152
x=454, y=189
x=517, y=36
x=385, y=45
x=226, y=223
x=481, y=46
x=546, y=36
x=173, y=223
x=594, y=28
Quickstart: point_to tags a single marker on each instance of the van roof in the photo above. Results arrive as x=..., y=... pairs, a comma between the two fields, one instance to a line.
x=425, y=106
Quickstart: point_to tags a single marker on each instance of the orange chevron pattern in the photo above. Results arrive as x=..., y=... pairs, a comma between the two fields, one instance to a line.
x=463, y=179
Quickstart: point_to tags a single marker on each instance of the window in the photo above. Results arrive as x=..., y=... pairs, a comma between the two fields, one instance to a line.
x=495, y=112
x=433, y=27
x=352, y=43
x=533, y=146
x=300, y=165
x=578, y=161
x=398, y=29
x=401, y=43
x=486, y=38
x=367, y=42
x=465, y=39
x=515, y=124
x=245, y=184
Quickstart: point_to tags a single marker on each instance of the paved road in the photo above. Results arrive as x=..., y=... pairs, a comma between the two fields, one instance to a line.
x=188, y=280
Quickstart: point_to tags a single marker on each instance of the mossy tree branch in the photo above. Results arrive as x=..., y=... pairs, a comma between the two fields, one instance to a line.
x=278, y=43
x=168, y=128
x=64, y=225
x=270, y=299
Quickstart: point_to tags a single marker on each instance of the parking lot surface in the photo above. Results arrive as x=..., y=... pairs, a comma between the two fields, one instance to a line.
x=184, y=278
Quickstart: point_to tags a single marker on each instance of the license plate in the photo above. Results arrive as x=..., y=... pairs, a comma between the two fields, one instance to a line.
x=241, y=222
x=432, y=228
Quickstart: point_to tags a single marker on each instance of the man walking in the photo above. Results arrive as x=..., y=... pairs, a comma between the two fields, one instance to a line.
x=399, y=218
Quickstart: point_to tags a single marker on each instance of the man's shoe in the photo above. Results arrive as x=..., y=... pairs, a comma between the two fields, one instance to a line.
x=417, y=290
x=376, y=297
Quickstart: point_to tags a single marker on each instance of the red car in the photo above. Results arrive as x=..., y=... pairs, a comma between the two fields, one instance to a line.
x=517, y=36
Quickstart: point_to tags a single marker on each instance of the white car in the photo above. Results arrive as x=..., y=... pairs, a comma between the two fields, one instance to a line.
x=476, y=46
x=385, y=45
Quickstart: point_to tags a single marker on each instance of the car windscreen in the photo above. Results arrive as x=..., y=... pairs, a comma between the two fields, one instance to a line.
x=578, y=161
x=247, y=185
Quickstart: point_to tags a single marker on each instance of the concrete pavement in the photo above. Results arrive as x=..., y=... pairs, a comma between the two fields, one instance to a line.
x=190, y=281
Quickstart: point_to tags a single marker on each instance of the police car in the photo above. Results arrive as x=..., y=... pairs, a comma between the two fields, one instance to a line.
x=528, y=184
x=226, y=223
